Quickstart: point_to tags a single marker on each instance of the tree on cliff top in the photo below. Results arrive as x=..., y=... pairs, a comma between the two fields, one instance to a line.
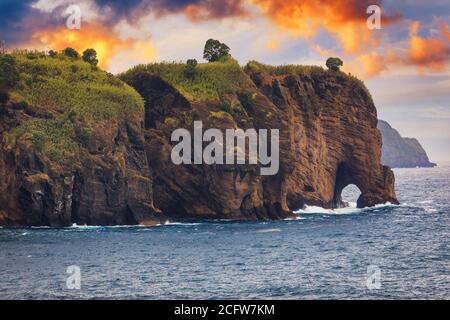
x=70, y=52
x=334, y=64
x=215, y=50
x=90, y=56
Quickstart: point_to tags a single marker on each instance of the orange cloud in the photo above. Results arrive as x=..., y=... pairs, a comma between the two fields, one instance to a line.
x=428, y=54
x=106, y=42
x=346, y=19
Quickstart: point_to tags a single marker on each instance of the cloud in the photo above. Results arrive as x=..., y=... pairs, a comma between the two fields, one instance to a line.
x=105, y=41
x=196, y=10
x=428, y=54
x=345, y=19
x=214, y=9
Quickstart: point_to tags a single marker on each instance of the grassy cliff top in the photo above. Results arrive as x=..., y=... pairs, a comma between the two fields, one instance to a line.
x=210, y=81
x=62, y=84
x=69, y=97
x=283, y=69
x=292, y=69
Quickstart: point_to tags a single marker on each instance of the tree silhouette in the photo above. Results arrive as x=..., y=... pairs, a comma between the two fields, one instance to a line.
x=215, y=50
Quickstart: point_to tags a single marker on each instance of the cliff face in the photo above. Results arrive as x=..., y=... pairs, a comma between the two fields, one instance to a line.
x=123, y=174
x=328, y=140
x=399, y=152
x=108, y=183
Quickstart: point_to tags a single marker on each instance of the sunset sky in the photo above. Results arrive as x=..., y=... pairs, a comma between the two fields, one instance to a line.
x=405, y=64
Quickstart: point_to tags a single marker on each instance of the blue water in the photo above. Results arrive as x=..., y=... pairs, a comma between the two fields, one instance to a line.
x=323, y=254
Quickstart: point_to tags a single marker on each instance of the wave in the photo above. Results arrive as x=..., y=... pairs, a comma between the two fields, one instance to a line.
x=351, y=209
x=268, y=230
x=88, y=227
x=169, y=223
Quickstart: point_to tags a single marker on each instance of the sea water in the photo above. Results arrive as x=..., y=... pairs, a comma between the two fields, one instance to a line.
x=323, y=254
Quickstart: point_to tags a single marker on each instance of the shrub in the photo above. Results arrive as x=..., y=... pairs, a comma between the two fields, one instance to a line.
x=189, y=71
x=9, y=74
x=90, y=56
x=226, y=107
x=53, y=54
x=245, y=98
x=84, y=136
x=334, y=64
x=214, y=50
x=71, y=53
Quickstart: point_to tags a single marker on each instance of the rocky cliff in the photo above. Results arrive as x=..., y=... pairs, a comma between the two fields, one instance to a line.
x=67, y=161
x=399, y=152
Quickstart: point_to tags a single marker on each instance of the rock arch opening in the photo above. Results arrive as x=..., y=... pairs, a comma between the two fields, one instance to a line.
x=350, y=195
x=346, y=189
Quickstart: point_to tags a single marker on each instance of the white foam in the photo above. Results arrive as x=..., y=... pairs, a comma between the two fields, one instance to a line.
x=169, y=223
x=351, y=209
x=88, y=227
x=268, y=230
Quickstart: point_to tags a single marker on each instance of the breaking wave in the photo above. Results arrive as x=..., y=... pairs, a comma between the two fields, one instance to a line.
x=351, y=209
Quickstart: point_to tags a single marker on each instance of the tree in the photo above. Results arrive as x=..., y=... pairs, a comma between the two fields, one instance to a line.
x=53, y=54
x=90, y=56
x=189, y=71
x=334, y=64
x=9, y=75
x=71, y=52
x=215, y=50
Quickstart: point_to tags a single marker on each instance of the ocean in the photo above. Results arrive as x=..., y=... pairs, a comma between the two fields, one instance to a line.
x=386, y=252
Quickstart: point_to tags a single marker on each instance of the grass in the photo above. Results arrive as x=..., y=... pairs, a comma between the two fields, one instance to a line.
x=283, y=69
x=302, y=70
x=211, y=80
x=63, y=84
x=52, y=137
x=70, y=91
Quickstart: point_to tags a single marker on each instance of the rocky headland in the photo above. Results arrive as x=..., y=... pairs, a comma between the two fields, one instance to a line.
x=400, y=152
x=79, y=145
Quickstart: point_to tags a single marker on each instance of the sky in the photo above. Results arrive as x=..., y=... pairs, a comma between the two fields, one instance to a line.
x=405, y=63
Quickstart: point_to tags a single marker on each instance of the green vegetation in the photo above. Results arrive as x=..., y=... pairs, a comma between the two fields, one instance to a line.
x=9, y=76
x=65, y=84
x=70, y=92
x=84, y=136
x=52, y=137
x=90, y=56
x=283, y=69
x=53, y=54
x=71, y=53
x=334, y=64
x=212, y=80
x=190, y=70
x=215, y=50
x=245, y=98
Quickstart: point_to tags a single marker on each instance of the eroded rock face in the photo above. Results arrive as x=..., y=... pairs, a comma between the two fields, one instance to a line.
x=107, y=183
x=328, y=139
